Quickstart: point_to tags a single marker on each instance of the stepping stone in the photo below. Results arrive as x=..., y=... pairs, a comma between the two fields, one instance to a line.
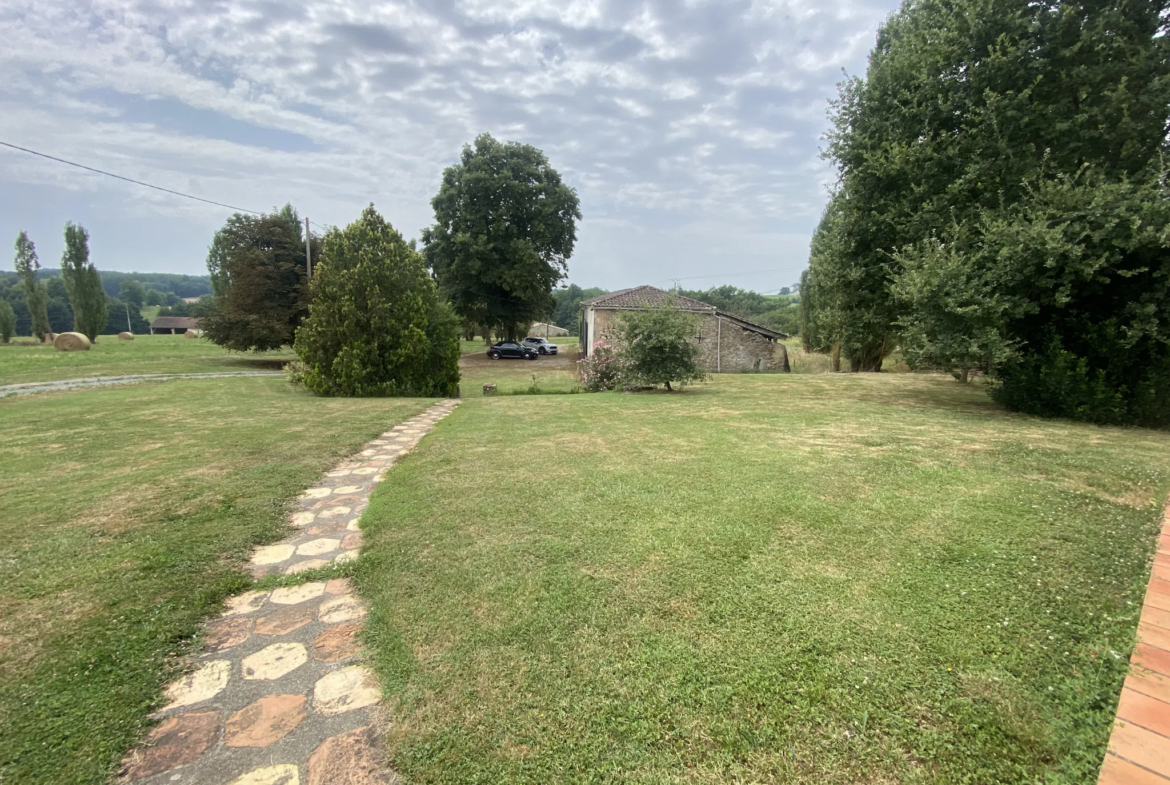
x=352, y=526
x=273, y=554
x=316, y=493
x=365, y=470
x=344, y=608
x=203, y=683
x=353, y=758
x=274, y=661
x=227, y=633
x=344, y=489
x=302, y=518
x=337, y=643
x=336, y=512
x=352, y=541
x=284, y=620
x=291, y=595
x=176, y=742
x=338, y=473
x=317, y=547
x=247, y=602
x=344, y=690
x=283, y=774
x=337, y=586
x=306, y=565
x=266, y=721
x=345, y=556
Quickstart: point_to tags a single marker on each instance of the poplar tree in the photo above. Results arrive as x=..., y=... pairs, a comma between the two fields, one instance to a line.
x=35, y=295
x=82, y=282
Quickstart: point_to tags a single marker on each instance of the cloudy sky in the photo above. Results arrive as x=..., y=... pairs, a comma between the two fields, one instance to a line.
x=691, y=130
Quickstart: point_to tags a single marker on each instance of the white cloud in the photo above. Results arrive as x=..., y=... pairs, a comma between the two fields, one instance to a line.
x=665, y=115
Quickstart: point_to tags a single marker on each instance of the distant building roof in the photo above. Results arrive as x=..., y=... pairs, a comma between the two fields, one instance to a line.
x=649, y=297
x=175, y=323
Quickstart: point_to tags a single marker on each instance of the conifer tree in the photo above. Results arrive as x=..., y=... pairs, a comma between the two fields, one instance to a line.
x=35, y=294
x=82, y=282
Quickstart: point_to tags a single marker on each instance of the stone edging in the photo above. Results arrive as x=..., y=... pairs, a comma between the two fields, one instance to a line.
x=276, y=697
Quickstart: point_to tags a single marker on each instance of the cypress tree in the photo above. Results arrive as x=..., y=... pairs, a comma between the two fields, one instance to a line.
x=82, y=282
x=35, y=294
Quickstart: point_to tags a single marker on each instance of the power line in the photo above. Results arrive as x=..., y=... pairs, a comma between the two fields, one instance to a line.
x=129, y=180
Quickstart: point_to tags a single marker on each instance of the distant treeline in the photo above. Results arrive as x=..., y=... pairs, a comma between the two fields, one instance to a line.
x=168, y=283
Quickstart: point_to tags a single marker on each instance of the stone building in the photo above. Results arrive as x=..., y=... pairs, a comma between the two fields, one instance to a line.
x=727, y=344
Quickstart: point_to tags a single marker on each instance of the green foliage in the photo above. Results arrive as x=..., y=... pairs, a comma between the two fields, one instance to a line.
x=505, y=226
x=257, y=267
x=7, y=322
x=657, y=347
x=602, y=369
x=83, y=283
x=567, y=308
x=154, y=297
x=35, y=296
x=122, y=317
x=778, y=312
x=376, y=325
x=133, y=292
x=990, y=165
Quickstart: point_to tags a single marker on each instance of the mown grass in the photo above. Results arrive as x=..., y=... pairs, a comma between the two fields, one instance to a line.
x=814, y=579
x=24, y=361
x=128, y=513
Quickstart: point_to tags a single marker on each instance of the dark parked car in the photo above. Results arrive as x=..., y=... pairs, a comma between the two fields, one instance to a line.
x=510, y=350
x=541, y=345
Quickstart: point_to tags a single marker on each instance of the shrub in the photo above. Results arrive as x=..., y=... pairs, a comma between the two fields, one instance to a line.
x=657, y=348
x=602, y=369
x=376, y=325
x=7, y=322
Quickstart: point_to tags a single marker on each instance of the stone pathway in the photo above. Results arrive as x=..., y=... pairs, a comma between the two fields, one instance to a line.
x=278, y=696
x=1139, y=749
x=103, y=381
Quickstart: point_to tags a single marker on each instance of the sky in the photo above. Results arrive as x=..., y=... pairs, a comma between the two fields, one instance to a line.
x=691, y=130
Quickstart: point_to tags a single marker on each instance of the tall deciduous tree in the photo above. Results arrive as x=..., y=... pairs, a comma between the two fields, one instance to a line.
x=7, y=322
x=257, y=266
x=83, y=283
x=133, y=293
x=975, y=118
x=376, y=325
x=35, y=295
x=505, y=226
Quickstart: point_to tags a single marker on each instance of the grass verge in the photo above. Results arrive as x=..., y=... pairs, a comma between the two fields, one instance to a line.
x=23, y=361
x=821, y=579
x=128, y=512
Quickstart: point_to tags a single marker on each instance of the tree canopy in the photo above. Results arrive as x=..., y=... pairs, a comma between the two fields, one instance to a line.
x=257, y=267
x=505, y=227
x=35, y=296
x=999, y=203
x=83, y=283
x=657, y=347
x=376, y=325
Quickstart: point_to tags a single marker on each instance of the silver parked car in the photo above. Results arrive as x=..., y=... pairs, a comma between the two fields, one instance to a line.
x=541, y=345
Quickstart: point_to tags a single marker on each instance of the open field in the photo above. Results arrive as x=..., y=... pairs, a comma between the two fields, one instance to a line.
x=816, y=579
x=127, y=514
x=24, y=361
x=553, y=372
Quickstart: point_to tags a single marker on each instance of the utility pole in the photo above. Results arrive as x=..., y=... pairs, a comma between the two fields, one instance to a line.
x=308, y=253
x=129, y=329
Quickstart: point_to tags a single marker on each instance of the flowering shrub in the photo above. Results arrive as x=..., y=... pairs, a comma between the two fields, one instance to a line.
x=602, y=369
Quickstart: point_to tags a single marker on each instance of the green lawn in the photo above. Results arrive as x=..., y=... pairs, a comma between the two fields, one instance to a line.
x=814, y=579
x=23, y=361
x=128, y=512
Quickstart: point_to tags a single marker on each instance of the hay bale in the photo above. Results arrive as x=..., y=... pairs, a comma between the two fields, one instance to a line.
x=192, y=333
x=71, y=342
x=124, y=336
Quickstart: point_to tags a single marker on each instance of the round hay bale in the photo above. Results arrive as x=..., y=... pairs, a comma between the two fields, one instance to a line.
x=124, y=336
x=71, y=342
x=191, y=334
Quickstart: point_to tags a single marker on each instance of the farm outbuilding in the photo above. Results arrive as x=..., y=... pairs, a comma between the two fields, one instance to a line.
x=727, y=343
x=545, y=330
x=175, y=325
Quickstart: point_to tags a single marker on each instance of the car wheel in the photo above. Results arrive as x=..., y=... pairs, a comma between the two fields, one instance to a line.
x=494, y=355
x=543, y=350
x=531, y=356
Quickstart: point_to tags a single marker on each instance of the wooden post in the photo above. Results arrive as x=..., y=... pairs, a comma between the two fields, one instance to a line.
x=308, y=253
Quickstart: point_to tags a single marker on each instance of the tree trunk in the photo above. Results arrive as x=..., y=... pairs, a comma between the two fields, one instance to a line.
x=965, y=376
x=835, y=358
x=668, y=388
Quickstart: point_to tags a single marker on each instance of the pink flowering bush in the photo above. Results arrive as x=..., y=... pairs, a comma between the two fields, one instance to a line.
x=602, y=369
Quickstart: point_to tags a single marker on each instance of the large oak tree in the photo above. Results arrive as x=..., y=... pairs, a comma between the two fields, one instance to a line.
x=505, y=226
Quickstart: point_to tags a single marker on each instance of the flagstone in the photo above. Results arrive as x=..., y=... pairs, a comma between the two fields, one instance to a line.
x=343, y=608
x=317, y=547
x=274, y=661
x=245, y=603
x=348, y=489
x=227, y=633
x=306, y=565
x=303, y=518
x=291, y=595
x=284, y=774
x=353, y=526
x=346, y=689
x=338, y=472
x=203, y=683
x=365, y=470
x=345, y=557
x=351, y=541
x=284, y=620
x=337, y=512
x=337, y=643
x=337, y=585
x=316, y=493
x=273, y=554
x=177, y=741
x=267, y=720
x=353, y=758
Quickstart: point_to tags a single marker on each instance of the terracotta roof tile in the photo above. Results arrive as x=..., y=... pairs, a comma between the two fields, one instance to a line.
x=648, y=297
